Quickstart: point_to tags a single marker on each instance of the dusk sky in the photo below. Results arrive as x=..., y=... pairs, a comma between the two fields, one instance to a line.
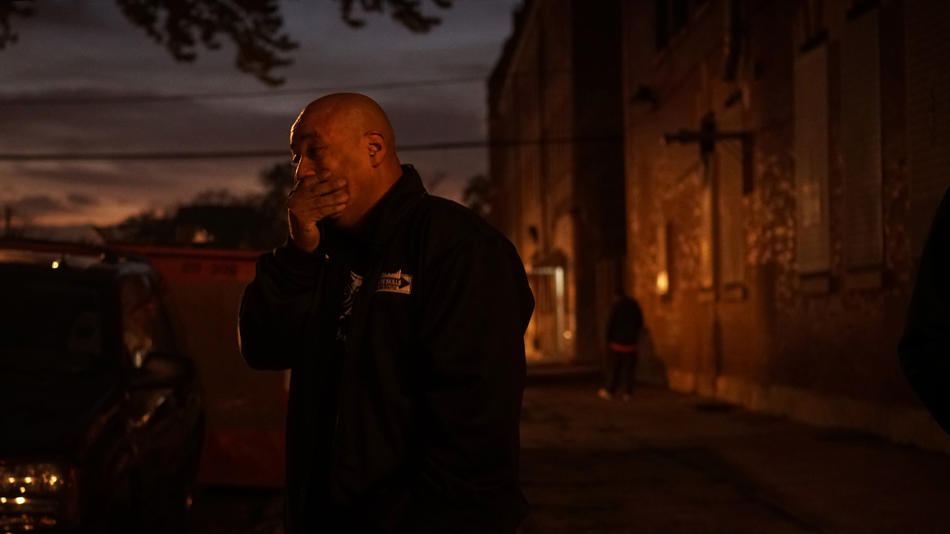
x=78, y=49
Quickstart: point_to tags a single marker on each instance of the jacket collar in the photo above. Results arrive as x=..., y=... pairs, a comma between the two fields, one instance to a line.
x=379, y=223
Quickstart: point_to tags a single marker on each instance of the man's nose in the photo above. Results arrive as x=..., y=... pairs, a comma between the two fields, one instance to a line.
x=305, y=167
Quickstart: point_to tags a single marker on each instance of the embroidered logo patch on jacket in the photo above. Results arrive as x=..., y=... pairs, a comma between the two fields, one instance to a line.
x=397, y=282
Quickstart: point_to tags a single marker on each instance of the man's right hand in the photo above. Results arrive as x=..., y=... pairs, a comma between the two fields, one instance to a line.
x=312, y=199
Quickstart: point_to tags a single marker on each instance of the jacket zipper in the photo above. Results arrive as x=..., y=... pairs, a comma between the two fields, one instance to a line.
x=362, y=297
x=334, y=442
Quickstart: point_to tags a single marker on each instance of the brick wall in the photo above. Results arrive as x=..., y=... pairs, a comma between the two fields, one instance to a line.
x=816, y=343
x=556, y=161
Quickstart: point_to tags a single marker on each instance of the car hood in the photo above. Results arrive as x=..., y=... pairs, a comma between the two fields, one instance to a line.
x=51, y=414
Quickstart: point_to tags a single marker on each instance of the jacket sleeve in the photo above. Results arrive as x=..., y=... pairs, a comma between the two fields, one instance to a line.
x=475, y=311
x=275, y=307
x=925, y=345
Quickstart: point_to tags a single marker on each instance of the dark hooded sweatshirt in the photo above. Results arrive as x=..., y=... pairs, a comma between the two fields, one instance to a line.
x=405, y=341
x=925, y=346
x=625, y=322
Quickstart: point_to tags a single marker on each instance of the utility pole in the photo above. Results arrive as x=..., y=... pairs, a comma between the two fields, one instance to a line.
x=706, y=137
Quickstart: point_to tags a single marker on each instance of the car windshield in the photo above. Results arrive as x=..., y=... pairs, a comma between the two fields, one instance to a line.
x=49, y=325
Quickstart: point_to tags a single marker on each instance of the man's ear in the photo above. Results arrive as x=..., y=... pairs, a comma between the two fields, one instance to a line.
x=376, y=148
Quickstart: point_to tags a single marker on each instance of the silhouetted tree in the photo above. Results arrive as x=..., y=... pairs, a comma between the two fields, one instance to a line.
x=8, y=10
x=147, y=228
x=221, y=197
x=272, y=204
x=256, y=221
x=255, y=28
x=477, y=195
x=405, y=11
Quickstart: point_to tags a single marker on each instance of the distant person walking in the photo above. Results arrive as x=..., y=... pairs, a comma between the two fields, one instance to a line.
x=623, y=331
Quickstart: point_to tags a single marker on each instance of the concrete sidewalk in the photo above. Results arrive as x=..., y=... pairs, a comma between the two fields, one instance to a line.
x=670, y=463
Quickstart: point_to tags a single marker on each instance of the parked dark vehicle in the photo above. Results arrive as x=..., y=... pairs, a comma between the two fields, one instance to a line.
x=102, y=418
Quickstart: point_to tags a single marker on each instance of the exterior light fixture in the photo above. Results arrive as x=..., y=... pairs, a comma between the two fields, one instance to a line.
x=662, y=282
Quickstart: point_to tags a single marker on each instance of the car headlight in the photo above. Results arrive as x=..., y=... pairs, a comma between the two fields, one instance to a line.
x=36, y=479
x=34, y=494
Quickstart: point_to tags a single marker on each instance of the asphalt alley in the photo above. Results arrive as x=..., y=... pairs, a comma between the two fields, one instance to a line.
x=671, y=463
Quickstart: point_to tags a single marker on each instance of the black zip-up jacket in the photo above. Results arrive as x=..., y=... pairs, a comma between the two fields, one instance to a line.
x=925, y=345
x=410, y=423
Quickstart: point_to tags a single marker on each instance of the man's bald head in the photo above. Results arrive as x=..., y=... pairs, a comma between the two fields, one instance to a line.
x=350, y=115
x=348, y=136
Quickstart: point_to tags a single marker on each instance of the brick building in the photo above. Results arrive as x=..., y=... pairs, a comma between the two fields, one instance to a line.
x=772, y=239
x=557, y=167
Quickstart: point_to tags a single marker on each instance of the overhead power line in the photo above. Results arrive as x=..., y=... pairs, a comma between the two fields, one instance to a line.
x=205, y=154
x=272, y=153
x=229, y=95
x=263, y=93
x=143, y=156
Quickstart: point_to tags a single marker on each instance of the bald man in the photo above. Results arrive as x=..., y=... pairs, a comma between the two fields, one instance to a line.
x=401, y=316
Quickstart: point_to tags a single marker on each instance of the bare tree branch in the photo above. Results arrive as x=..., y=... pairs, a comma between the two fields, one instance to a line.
x=407, y=12
x=255, y=27
x=479, y=194
x=8, y=10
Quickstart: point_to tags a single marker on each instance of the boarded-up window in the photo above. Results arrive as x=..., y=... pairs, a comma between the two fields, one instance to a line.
x=861, y=141
x=811, y=160
x=729, y=154
x=928, y=111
